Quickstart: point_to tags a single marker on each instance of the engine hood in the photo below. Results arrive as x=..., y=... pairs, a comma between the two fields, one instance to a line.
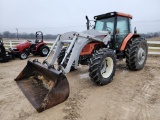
x=92, y=32
x=23, y=44
x=95, y=32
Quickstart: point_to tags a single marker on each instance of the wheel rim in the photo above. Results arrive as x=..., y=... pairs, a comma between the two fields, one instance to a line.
x=45, y=51
x=23, y=55
x=107, y=67
x=141, y=56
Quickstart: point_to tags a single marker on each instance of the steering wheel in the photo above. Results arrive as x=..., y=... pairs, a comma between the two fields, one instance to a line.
x=109, y=29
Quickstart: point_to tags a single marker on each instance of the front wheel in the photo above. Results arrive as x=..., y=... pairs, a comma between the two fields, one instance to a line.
x=23, y=55
x=60, y=58
x=43, y=51
x=102, y=66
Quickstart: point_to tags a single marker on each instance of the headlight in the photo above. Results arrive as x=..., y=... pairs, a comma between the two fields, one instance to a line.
x=15, y=49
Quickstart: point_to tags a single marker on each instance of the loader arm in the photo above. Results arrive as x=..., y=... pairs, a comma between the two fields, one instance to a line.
x=76, y=42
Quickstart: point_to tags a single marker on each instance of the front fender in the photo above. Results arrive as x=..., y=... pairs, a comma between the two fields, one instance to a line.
x=74, y=57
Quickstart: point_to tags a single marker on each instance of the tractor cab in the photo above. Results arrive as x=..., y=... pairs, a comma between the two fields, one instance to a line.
x=118, y=24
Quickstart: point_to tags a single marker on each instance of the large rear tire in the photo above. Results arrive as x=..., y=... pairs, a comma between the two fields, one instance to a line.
x=43, y=51
x=102, y=66
x=60, y=58
x=136, y=53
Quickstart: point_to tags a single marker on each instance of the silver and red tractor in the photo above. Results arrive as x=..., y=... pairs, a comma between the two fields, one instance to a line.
x=110, y=39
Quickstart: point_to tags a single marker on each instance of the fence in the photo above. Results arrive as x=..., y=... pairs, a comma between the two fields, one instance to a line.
x=9, y=44
x=153, y=46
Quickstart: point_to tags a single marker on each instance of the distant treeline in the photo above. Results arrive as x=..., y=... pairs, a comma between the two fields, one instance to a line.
x=7, y=34
x=151, y=35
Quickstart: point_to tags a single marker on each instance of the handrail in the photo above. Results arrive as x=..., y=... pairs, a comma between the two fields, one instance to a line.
x=153, y=47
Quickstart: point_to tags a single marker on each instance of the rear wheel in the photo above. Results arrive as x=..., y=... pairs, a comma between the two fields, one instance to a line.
x=102, y=66
x=3, y=58
x=60, y=58
x=136, y=54
x=43, y=51
x=23, y=55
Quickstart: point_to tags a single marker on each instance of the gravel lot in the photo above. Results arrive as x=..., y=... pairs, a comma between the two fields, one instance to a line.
x=132, y=95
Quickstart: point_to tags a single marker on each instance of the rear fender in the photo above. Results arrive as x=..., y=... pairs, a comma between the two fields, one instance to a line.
x=127, y=39
x=39, y=45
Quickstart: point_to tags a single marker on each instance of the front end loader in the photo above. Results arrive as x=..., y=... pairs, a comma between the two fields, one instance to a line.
x=45, y=84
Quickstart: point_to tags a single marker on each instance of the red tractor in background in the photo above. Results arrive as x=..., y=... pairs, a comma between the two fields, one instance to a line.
x=38, y=47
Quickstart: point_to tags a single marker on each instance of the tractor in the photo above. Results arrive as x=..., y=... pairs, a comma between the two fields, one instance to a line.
x=38, y=47
x=110, y=39
x=5, y=56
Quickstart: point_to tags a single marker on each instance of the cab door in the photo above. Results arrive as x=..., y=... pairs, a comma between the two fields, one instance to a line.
x=122, y=30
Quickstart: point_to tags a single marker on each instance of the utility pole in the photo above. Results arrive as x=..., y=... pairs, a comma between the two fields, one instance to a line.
x=17, y=33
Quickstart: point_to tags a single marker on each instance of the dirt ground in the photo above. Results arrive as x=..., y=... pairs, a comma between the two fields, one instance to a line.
x=132, y=95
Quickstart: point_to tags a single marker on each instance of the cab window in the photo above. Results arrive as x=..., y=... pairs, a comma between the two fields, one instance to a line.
x=106, y=24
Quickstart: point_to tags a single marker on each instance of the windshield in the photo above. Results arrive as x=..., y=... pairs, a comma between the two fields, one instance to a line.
x=105, y=25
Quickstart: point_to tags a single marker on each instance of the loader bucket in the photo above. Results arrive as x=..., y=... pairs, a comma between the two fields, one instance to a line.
x=44, y=87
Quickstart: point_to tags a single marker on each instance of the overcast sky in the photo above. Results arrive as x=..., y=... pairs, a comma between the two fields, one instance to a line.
x=59, y=16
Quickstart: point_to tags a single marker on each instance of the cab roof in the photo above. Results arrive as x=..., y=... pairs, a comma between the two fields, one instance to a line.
x=112, y=14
